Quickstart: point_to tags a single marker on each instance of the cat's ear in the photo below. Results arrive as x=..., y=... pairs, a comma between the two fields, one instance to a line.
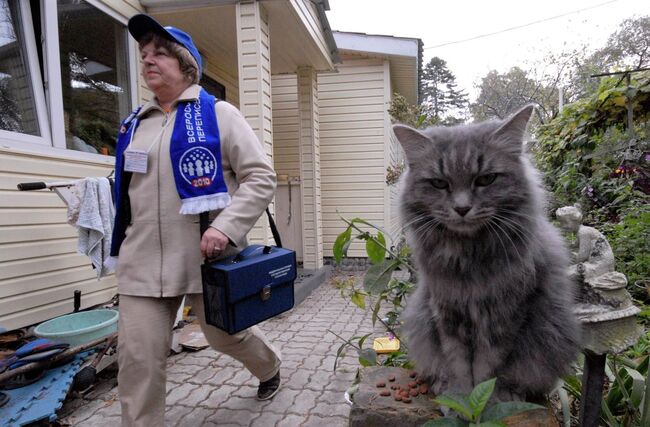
x=511, y=133
x=413, y=141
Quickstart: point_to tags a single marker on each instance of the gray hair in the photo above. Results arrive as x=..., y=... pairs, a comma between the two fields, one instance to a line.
x=186, y=61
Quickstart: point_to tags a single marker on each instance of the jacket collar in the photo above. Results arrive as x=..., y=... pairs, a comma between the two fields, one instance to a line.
x=189, y=94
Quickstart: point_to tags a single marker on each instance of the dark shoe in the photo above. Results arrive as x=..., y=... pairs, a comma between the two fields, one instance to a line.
x=269, y=388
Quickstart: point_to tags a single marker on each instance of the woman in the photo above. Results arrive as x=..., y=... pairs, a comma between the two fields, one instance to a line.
x=178, y=155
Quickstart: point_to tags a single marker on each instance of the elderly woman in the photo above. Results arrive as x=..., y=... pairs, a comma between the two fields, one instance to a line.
x=180, y=154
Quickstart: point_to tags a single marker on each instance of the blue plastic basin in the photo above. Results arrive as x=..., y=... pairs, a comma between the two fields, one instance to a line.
x=79, y=328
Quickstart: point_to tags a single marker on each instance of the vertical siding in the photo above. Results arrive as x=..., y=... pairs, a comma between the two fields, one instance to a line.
x=253, y=41
x=286, y=125
x=353, y=139
x=39, y=264
x=310, y=165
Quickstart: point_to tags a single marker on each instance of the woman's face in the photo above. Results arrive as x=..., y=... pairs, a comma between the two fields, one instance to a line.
x=161, y=70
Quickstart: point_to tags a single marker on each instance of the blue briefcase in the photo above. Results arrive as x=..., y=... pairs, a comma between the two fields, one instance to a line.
x=250, y=287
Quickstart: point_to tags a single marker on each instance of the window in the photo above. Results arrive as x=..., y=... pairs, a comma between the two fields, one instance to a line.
x=20, y=90
x=94, y=76
x=213, y=87
x=70, y=91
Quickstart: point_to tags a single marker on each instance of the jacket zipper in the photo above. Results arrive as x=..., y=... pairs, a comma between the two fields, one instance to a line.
x=160, y=240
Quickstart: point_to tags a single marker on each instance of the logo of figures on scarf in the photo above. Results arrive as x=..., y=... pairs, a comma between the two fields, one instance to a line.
x=198, y=167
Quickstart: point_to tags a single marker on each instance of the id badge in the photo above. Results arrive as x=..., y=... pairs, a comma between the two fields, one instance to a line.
x=135, y=161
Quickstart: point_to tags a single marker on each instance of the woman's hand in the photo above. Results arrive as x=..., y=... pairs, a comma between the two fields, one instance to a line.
x=213, y=243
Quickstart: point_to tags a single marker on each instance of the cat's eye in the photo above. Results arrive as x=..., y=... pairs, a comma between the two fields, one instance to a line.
x=440, y=184
x=485, y=180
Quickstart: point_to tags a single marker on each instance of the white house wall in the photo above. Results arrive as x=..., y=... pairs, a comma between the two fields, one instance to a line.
x=39, y=264
x=286, y=125
x=353, y=138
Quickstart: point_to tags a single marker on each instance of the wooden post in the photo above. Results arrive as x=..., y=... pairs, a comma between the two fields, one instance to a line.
x=593, y=378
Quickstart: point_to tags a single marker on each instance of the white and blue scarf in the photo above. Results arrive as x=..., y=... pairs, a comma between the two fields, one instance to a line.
x=195, y=153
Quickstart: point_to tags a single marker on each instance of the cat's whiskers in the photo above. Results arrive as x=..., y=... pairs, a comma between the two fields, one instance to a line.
x=523, y=233
x=514, y=246
x=505, y=250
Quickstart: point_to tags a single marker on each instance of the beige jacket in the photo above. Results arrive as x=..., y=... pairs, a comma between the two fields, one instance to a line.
x=160, y=255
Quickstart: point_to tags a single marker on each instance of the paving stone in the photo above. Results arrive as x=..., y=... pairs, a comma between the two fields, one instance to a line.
x=317, y=421
x=204, y=376
x=300, y=378
x=196, y=417
x=326, y=409
x=180, y=392
x=197, y=395
x=219, y=395
x=112, y=408
x=313, y=361
x=248, y=403
x=225, y=416
x=197, y=360
x=267, y=419
x=242, y=377
x=222, y=376
x=320, y=379
x=184, y=369
x=177, y=378
x=282, y=401
x=85, y=411
x=246, y=391
x=101, y=422
x=173, y=414
x=305, y=401
x=291, y=420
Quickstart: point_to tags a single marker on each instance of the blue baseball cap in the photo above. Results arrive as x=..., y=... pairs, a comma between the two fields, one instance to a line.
x=141, y=24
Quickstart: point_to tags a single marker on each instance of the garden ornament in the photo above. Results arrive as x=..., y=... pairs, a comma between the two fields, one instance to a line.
x=604, y=307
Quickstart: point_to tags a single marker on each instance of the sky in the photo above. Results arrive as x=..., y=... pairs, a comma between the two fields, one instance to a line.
x=543, y=30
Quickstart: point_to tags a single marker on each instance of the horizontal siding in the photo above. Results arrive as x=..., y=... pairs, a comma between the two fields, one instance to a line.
x=39, y=265
x=352, y=135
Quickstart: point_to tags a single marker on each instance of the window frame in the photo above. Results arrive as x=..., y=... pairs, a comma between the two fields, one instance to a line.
x=50, y=104
x=27, y=32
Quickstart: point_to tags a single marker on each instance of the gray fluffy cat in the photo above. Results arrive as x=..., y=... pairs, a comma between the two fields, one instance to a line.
x=493, y=298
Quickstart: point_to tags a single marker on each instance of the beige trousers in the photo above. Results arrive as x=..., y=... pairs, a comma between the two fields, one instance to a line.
x=144, y=338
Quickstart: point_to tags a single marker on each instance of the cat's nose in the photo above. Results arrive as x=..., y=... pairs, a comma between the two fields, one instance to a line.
x=462, y=210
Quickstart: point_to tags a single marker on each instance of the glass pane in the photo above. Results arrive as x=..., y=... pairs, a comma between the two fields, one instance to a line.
x=17, y=106
x=94, y=76
x=213, y=87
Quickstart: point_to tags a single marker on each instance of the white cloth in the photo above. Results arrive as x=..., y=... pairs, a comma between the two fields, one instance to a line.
x=95, y=221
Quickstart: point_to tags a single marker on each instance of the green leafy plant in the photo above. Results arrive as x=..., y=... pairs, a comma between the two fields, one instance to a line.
x=626, y=397
x=473, y=410
x=379, y=288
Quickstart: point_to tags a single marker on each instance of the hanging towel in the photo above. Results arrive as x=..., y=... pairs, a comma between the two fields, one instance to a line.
x=95, y=221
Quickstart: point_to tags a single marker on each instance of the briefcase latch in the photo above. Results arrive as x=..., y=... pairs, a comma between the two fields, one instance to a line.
x=265, y=293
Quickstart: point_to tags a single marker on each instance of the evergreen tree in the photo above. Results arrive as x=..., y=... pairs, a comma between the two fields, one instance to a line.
x=440, y=93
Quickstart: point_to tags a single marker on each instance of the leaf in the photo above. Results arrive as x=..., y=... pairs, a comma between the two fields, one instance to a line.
x=339, y=244
x=358, y=299
x=378, y=276
x=368, y=357
x=491, y=424
x=457, y=403
x=480, y=396
x=638, y=386
x=505, y=409
x=375, y=248
x=446, y=422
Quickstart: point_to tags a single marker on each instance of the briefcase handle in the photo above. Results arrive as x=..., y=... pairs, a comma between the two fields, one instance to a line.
x=204, y=220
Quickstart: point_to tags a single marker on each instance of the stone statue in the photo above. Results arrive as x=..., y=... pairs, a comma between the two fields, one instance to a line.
x=602, y=296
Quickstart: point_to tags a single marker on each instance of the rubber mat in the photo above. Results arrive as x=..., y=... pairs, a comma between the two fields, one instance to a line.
x=40, y=400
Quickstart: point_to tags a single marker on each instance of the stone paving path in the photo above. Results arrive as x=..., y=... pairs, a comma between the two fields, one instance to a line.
x=206, y=388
